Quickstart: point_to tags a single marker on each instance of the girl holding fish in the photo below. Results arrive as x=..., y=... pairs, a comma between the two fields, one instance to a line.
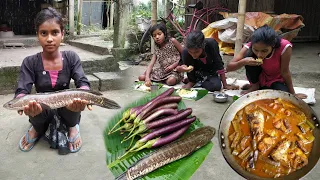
x=166, y=55
x=208, y=68
x=266, y=60
x=50, y=71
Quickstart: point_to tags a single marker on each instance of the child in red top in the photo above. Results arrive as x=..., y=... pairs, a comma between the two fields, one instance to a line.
x=273, y=72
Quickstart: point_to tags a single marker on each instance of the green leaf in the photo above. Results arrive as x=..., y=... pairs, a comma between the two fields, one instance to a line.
x=180, y=169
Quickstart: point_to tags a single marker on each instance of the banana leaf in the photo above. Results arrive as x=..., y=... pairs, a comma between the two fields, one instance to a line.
x=180, y=169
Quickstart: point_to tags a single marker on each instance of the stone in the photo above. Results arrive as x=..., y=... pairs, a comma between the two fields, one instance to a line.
x=110, y=81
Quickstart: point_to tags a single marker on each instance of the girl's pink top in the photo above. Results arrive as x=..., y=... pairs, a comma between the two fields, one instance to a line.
x=53, y=77
x=271, y=67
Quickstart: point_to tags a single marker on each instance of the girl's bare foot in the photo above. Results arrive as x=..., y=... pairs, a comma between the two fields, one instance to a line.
x=246, y=87
x=253, y=87
x=32, y=133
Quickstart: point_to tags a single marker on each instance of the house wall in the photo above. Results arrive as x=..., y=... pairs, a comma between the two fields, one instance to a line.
x=20, y=14
x=97, y=10
x=309, y=10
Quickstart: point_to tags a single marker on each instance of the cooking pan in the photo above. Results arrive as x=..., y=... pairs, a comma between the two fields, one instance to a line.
x=267, y=94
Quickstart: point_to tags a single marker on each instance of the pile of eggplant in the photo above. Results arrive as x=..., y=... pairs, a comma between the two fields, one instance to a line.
x=156, y=123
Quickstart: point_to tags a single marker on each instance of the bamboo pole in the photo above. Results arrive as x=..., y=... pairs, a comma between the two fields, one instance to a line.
x=240, y=26
x=90, y=13
x=111, y=14
x=71, y=17
x=153, y=20
x=79, y=16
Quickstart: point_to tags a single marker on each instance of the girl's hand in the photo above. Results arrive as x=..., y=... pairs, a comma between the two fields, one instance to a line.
x=147, y=82
x=187, y=86
x=184, y=68
x=32, y=109
x=301, y=96
x=78, y=105
x=250, y=61
x=231, y=87
x=169, y=68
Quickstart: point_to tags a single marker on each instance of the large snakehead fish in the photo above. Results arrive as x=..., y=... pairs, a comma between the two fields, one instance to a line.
x=58, y=99
x=169, y=153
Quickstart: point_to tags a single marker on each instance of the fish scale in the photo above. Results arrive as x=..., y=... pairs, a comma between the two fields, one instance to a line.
x=169, y=153
x=58, y=99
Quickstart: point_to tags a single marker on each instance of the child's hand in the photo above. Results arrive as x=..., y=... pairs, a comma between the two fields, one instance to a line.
x=32, y=109
x=169, y=68
x=231, y=87
x=147, y=82
x=78, y=105
x=250, y=61
x=184, y=68
x=187, y=86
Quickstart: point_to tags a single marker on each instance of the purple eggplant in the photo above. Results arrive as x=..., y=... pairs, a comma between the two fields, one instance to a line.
x=137, y=110
x=166, y=106
x=160, y=122
x=159, y=141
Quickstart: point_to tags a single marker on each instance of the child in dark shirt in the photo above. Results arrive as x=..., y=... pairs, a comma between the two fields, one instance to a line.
x=203, y=55
x=51, y=70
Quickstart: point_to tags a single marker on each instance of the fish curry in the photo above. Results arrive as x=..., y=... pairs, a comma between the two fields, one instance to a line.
x=271, y=138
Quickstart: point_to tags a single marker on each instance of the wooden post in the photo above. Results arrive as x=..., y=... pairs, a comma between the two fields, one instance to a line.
x=167, y=8
x=90, y=13
x=153, y=20
x=240, y=26
x=108, y=3
x=111, y=14
x=121, y=23
x=79, y=17
x=71, y=17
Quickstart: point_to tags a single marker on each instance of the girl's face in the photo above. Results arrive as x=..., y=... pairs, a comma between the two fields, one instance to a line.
x=261, y=50
x=195, y=52
x=50, y=36
x=158, y=36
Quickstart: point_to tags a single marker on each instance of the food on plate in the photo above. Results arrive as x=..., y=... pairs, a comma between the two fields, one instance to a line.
x=186, y=93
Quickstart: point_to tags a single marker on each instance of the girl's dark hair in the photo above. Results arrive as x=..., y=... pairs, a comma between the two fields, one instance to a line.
x=195, y=40
x=266, y=35
x=162, y=28
x=48, y=14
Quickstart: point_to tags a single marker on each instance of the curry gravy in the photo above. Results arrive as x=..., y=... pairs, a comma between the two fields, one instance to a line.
x=278, y=151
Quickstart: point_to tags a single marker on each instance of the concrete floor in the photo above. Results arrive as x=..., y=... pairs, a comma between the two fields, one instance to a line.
x=89, y=163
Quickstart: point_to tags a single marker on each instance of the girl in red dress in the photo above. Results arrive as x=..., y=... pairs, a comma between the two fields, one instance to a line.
x=273, y=71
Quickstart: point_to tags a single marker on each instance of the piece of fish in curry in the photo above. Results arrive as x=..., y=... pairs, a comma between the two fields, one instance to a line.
x=256, y=122
x=280, y=153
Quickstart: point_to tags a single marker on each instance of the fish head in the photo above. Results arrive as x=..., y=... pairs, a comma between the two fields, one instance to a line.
x=14, y=104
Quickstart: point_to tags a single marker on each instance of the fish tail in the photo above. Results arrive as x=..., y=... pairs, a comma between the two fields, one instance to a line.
x=108, y=103
x=122, y=177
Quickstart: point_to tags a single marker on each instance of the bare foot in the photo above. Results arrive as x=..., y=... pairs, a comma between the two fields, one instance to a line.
x=72, y=134
x=24, y=143
x=301, y=95
x=253, y=87
x=246, y=87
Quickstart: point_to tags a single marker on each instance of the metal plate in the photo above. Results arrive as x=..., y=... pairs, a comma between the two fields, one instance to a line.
x=259, y=95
